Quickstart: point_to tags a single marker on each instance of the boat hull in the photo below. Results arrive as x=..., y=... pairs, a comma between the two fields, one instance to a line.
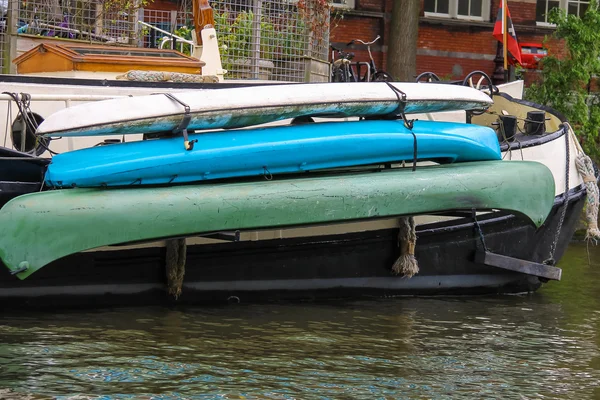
x=20, y=173
x=348, y=265
x=270, y=151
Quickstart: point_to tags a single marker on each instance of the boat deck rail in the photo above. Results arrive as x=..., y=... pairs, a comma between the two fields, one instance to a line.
x=58, y=97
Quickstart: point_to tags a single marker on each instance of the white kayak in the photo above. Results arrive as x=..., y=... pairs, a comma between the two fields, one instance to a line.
x=254, y=105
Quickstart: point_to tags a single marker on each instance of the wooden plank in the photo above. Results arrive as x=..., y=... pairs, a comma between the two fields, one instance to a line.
x=518, y=265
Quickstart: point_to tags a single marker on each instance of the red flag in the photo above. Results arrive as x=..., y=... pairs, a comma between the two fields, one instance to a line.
x=512, y=45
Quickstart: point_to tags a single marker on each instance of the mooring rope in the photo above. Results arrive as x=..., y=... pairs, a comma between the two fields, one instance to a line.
x=406, y=264
x=175, y=265
x=165, y=76
x=585, y=167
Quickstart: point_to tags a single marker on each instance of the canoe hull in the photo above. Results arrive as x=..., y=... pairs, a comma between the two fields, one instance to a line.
x=270, y=151
x=89, y=218
x=240, y=107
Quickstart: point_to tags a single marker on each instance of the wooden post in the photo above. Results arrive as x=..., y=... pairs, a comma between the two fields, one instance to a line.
x=404, y=30
x=203, y=15
x=10, y=46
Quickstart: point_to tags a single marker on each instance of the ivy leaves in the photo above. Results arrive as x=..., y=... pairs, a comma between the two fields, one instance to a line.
x=566, y=80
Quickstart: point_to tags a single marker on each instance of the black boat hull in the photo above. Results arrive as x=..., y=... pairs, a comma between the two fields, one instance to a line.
x=20, y=173
x=336, y=266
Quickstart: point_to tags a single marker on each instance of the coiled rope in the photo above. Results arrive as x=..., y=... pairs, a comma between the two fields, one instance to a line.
x=585, y=167
x=165, y=76
x=406, y=265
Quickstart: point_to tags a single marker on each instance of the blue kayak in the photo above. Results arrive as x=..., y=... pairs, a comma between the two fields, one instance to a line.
x=270, y=151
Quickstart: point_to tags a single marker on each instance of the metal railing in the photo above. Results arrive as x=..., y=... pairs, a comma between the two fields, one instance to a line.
x=89, y=20
x=258, y=39
x=266, y=39
x=4, y=50
x=168, y=39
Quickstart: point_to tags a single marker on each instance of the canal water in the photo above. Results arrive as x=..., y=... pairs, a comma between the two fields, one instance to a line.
x=545, y=345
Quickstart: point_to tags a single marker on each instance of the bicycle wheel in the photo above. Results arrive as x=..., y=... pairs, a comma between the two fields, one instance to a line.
x=382, y=76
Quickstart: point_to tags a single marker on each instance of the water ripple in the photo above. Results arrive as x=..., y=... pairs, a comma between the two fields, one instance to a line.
x=523, y=347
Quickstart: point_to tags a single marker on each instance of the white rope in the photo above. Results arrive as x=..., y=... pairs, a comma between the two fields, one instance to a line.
x=8, y=121
x=585, y=168
x=166, y=76
x=406, y=265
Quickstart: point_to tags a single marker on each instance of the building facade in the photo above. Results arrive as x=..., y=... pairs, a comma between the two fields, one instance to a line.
x=455, y=36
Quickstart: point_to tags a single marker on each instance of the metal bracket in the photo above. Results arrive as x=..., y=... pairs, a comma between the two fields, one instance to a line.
x=23, y=266
x=229, y=236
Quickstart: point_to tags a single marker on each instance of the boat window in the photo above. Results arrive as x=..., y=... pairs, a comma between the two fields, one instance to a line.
x=25, y=128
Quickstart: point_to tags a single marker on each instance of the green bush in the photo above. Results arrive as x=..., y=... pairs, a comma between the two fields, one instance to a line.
x=565, y=82
x=277, y=42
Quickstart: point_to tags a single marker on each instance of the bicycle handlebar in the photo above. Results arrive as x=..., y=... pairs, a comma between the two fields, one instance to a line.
x=366, y=43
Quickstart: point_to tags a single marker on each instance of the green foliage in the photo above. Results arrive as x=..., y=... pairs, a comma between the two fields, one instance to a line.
x=565, y=81
x=277, y=40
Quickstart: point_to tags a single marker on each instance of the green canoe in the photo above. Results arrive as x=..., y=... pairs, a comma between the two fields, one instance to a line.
x=42, y=227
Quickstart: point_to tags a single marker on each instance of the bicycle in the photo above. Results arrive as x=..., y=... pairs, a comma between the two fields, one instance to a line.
x=342, y=70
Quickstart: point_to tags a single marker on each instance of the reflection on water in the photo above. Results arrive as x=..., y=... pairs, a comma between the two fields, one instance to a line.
x=543, y=345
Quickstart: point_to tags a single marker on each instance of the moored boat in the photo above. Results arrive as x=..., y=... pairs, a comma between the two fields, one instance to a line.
x=459, y=248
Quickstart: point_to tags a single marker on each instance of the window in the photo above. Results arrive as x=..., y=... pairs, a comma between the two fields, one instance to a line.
x=462, y=9
x=576, y=7
x=343, y=3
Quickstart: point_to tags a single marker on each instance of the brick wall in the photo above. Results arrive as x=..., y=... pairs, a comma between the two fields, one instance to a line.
x=164, y=5
x=460, y=38
x=521, y=13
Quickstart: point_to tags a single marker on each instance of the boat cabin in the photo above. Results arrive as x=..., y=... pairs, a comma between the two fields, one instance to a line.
x=85, y=61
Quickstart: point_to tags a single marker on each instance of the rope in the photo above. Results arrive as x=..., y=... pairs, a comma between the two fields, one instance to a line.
x=175, y=265
x=585, y=167
x=478, y=229
x=8, y=119
x=406, y=264
x=24, y=107
x=551, y=260
x=165, y=76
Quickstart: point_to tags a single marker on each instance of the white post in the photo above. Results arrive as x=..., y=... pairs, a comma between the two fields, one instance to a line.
x=209, y=53
x=255, y=57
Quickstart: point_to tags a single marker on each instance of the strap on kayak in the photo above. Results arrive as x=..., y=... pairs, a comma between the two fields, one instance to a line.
x=407, y=123
x=182, y=127
x=401, y=106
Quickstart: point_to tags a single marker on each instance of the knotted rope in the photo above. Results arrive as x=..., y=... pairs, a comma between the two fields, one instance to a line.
x=406, y=265
x=175, y=265
x=585, y=167
x=165, y=76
